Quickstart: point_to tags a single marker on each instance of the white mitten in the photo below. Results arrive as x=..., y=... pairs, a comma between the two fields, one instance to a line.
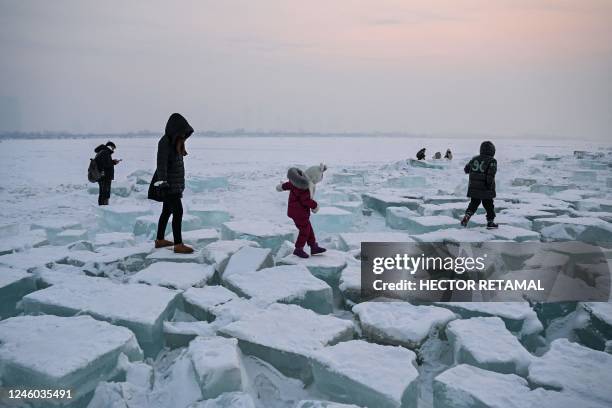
x=316, y=209
x=279, y=187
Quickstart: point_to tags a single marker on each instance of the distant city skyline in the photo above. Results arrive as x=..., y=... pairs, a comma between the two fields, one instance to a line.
x=431, y=67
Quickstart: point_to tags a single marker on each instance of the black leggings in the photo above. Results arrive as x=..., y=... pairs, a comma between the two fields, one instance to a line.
x=487, y=203
x=172, y=206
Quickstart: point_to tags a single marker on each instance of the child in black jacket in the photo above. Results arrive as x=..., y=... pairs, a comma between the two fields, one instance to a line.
x=481, y=188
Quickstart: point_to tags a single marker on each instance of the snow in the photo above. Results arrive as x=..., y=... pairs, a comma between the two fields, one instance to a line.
x=382, y=199
x=510, y=233
x=396, y=218
x=248, y=259
x=22, y=241
x=62, y=352
x=503, y=352
x=258, y=335
x=465, y=386
x=227, y=400
x=327, y=266
x=199, y=237
x=590, y=377
x=332, y=219
x=141, y=308
x=407, y=182
x=210, y=215
x=265, y=233
x=179, y=334
x=322, y=404
x=219, y=252
x=200, y=302
x=168, y=255
x=350, y=283
x=199, y=184
x=174, y=275
x=455, y=235
x=114, y=239
x=291, y=284
x=67, y=236
x=121, y=217
x=358, y=372
x=217, y=363
x=585, y=229
x=400, y=323
x=352, y=240
x=594, y=321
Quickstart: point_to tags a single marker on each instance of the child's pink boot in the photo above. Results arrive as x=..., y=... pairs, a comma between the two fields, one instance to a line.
x=300, y=252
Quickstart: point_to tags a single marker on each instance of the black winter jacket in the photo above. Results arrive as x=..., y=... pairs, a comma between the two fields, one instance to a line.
x=170, y=165
x=482, y=169
x=105, y=162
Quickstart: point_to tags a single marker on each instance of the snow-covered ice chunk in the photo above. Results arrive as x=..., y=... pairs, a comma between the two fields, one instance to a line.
x=53, y=226
x=576, y=370
x=352, y=240
x=121, y=217
x=199, y=237
x=549, y=189
x=199, y=184
x=454, y=235
x=33, y=258
x=595, y=324
x=141, y=308
x=466, y=386
x=142, y=177
x=332, y=219
x=510, y=233
x=327, y=266
x=218, y=365
x=350, y=283
x=174, y=275
x=62, y=352
x=147, y=225
x=322, y=404
x=582, y=176
x=347, y=178
x=416, y=224
x=122, y=188
x=68, y=236
x=407, y=182
x=527, y=212
x=358, y=372
x=219, y=252
x=179, y=334
x=455, y=210
x=129, y=258
x=210, y=215
x=382, y=199
x=265, y=233
x=518, y=317
x=168, y=255
x=248, y=259
x=200, y=302
x=585, y=229
x=595, y=204
x=522, y=181
x=444, y=199
x=14, y=284
x=22, y=241
x=400, y=323
x=304, y=331
x=9, y=230
x=114, y=239
x=395, y=217
x=293, y=284
x=353, y=207
x=501, y=219
x=227, y=400
x=503, y=352
x=425, y=164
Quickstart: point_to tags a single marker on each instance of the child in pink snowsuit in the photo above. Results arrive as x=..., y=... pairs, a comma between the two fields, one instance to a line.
x=298, y=209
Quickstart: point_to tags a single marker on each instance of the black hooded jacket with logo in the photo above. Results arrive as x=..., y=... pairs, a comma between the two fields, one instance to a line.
x=170, y=165
x=482, y=170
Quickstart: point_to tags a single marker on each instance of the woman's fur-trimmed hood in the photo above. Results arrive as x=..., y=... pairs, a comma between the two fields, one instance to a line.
x=298, y=178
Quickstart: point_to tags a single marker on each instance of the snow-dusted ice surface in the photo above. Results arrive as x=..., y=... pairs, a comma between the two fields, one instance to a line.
x=52, y=235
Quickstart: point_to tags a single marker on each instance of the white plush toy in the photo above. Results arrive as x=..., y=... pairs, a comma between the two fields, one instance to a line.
x=315, y=175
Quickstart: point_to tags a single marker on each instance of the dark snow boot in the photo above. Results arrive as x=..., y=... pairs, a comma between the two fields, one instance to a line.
x=491, y=225
x=316, y=249
x=300, y=252
x=466, y=219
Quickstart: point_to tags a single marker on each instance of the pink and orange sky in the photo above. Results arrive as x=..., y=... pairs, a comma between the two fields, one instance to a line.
x=537, y=67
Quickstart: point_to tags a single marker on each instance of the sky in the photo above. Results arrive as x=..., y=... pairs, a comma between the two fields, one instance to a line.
x=439, y=67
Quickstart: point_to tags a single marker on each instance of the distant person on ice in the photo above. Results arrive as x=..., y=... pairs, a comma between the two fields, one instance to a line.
x=106, y=164
x=437, y=156
x=448, y=155
x=168, y=182
x=421, y=154
x=301, y=186
x=481, y=188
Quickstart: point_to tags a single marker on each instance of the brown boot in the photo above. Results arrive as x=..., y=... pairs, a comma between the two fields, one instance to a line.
x=162, y=243
x=182, y=249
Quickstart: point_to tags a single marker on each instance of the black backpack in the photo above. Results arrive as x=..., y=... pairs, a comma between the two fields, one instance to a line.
x=93, y=172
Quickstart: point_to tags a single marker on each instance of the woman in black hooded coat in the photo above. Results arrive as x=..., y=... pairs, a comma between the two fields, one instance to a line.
x=168, y=182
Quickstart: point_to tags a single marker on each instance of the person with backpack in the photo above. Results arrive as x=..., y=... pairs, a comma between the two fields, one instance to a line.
x=421, y=154
x=106, y=170
x=481, y=187
x=168, y=182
